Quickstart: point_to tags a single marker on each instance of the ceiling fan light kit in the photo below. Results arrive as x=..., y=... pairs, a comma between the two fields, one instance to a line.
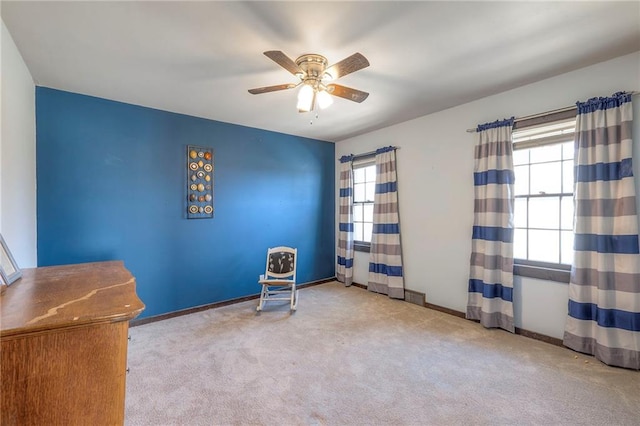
x=313, y=72
x=324, y=99
x=306, y=98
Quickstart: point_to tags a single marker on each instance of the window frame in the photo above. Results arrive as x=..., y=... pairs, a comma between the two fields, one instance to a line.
x=360, y=163
x=530, y=268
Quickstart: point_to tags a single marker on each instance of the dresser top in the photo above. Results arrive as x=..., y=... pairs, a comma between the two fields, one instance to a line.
x=55, y=297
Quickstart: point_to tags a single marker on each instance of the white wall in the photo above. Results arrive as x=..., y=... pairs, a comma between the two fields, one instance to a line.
x=17, y=154
x=435, y=187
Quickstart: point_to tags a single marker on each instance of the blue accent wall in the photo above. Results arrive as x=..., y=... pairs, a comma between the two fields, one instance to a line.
x=111, y=183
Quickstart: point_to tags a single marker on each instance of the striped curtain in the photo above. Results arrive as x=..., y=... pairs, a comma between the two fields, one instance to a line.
x=385, y=257
x=604, y=291
x=491, y=277
x=344, y=272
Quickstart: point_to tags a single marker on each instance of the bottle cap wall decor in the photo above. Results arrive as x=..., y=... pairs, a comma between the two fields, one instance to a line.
x=200, y=170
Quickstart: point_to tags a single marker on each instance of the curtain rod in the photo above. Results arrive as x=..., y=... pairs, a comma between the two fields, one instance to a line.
x=366, y=154
x=543, y=114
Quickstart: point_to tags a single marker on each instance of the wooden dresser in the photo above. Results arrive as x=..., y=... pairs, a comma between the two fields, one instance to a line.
x=64, y=344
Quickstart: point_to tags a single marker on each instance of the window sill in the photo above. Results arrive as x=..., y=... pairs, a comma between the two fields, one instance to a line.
x=542, y=273
x=363, y=247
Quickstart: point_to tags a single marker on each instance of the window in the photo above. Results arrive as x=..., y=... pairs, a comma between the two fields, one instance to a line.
x=543, y=212
x=364, y=188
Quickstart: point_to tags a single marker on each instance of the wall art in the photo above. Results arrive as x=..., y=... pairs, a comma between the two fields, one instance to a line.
x=199, y=182
x=9, y=271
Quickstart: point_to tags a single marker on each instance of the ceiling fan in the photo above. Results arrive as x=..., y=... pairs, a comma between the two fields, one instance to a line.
x=314, y=74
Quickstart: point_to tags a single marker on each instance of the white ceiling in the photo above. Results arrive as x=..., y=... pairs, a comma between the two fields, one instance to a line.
x=199, y=58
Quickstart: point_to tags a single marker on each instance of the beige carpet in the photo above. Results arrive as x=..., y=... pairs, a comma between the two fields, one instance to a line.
x=350, y=357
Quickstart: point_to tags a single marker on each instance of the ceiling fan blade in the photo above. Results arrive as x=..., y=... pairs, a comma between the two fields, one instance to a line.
x=284, y=61
x=347, y=92
x=348, y=65
x=268, y=89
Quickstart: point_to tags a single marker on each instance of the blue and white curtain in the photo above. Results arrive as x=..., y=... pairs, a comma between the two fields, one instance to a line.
x=344, y=271
x=385, y=257
x=491, y=277
x=604, y=291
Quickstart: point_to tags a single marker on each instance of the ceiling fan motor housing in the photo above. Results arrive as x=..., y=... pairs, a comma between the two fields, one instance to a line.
x=313, y=67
